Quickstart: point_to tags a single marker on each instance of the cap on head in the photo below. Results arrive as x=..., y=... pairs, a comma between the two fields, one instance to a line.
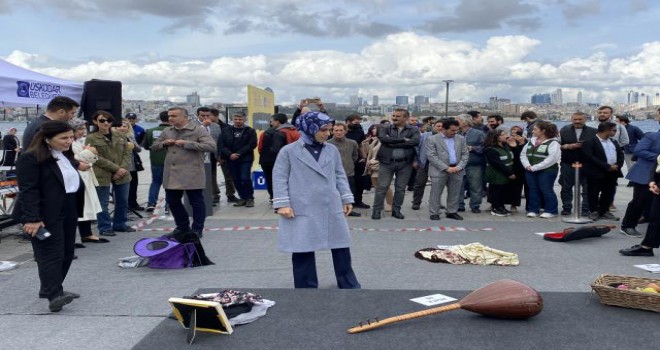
x=130, y=115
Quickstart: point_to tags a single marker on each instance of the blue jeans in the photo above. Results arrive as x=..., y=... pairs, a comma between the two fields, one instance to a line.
x=541, y=185
x=156, y=183
x=240, y=172
x=196, y=198
x=118, y=221
x=473, y=183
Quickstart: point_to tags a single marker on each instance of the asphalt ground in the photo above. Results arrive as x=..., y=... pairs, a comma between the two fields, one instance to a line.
x=119, y=307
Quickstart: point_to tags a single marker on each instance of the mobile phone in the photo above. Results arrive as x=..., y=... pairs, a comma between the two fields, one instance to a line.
x=314, y=100
x=519, y=132
x=42, y=233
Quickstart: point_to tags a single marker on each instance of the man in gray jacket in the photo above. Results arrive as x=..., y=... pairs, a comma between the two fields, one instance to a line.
x=348, y=150
x=205, y=120
x=396, y=156
x=186, y=144
x=447, y=154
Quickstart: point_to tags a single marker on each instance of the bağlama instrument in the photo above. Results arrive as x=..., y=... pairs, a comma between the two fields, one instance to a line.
x=506, y=299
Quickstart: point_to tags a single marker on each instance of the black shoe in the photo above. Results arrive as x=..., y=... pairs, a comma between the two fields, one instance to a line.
x=454, y=216
x=476, y=210
x=362, y=206
x=637, y=250
x=58, y=303
x=150, y=208
x=107, y=233
x=415, y=207
x=410, y=189
x=459, y=209
x=240, y=203
x=72, y=294
x=178, y=234
x=565, y=212
x=232, y=199
x=79, y=245
x=216, y=199
x=75, y=257
x=435, y=217
x=249, y=203
x=376, y=215
x=442, y=207
x=631, y=232
x=199, y=233
x=125, y=229
x=397, y=215
x=499, y=212
x=355, y=214
x=136, y=208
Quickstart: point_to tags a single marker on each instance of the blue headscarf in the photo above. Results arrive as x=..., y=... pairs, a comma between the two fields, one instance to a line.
x=310, y=123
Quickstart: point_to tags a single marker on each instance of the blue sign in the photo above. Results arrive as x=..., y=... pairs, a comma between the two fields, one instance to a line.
x=258, y=180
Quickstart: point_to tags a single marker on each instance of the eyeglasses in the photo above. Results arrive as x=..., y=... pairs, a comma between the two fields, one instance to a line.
x=104, y=120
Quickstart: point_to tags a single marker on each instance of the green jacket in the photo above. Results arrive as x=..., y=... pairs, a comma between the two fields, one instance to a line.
x=112, y=155
x=157, y=157
x=500, y=165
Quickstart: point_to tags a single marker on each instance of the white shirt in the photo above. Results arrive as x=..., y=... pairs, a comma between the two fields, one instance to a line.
x=610, y=150
x=69, y=174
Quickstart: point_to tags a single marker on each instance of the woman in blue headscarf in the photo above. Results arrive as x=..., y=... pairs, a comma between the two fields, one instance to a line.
x=312, y=197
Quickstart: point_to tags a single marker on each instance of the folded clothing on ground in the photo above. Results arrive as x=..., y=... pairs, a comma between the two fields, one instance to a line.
x=473, y=253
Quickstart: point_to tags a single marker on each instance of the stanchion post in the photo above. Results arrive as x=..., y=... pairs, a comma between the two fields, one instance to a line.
x=577, y=199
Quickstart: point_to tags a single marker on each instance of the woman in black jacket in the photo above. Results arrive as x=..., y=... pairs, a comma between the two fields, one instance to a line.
x=47, y=174
x=11, y=146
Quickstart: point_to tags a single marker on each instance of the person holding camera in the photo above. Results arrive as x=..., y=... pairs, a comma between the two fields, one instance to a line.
x=47, y=174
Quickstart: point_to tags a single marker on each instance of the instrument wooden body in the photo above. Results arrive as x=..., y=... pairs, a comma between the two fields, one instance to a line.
x=506, y=299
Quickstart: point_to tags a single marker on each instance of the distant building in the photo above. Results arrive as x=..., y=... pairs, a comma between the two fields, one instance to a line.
x=401, y=100
x=643, y=101
x=374, y=101
x=421, y=100
x=193, y=99
x=656, y=99
x=557, y=98
x=492, y=103
x=579, y=98
x=354, y=100
x=541, y=99
x=633, y=97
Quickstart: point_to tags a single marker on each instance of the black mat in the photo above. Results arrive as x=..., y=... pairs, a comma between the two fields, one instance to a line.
x=318, y=319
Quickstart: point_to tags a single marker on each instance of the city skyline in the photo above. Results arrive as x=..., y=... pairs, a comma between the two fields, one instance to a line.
x=511, y=49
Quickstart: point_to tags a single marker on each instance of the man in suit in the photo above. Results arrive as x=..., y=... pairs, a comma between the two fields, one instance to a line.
x=571, y=139
x=395, y=156
x=205, y=120
x=603, y=162
x=640, y=175
x=447, y=154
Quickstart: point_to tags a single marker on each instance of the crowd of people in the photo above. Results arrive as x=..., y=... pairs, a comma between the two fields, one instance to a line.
x=317, y=171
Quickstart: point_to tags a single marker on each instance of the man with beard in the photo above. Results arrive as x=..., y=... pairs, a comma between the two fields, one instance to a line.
x=571, y=138
x=494, y=121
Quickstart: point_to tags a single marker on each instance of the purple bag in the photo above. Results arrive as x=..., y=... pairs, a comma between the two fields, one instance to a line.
x=165, y=253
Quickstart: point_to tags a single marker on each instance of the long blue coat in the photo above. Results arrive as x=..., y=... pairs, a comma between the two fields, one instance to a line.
x=316, y=190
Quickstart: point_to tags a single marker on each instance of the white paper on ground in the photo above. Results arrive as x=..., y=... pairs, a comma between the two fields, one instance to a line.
x=653, y=268
x=7, y=265
x=434, y=299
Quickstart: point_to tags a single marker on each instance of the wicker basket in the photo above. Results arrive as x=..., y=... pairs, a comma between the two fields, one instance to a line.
x=626, y=298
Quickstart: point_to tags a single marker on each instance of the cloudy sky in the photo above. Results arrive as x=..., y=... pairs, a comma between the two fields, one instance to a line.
x=166, y=49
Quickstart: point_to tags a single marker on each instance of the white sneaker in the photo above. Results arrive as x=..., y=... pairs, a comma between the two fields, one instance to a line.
x=547, y=215
x=532, y=215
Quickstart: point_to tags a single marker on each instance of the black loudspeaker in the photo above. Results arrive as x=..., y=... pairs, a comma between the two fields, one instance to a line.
x=101, y=95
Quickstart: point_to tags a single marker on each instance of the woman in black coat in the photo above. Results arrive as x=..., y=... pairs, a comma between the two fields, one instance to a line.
x=46, y=174
x=11, y=146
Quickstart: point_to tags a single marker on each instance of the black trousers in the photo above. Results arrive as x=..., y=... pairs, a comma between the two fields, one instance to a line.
x=420, y=184
x=214, y=178
x=55, y=253
x=85, y=228
x=304, y=269
x=601, y=192
x=496, y=194
x=268, y=174
x=640, y=202
x=132, y=190
x=360, y=182
x=652, y=238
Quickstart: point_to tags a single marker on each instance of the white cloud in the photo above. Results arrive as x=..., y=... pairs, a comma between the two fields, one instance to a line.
x=405, y=63
x=605, y=46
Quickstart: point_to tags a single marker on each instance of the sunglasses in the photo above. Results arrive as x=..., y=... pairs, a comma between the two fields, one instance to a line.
x=104, y=120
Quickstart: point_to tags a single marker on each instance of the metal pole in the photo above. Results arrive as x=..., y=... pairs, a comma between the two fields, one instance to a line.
x=577, y=199
x=447, y=98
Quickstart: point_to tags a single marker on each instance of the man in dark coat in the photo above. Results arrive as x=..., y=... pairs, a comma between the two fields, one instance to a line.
x=356, y=133
x=571, y=139
x=603, y=162
x=236, y=146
